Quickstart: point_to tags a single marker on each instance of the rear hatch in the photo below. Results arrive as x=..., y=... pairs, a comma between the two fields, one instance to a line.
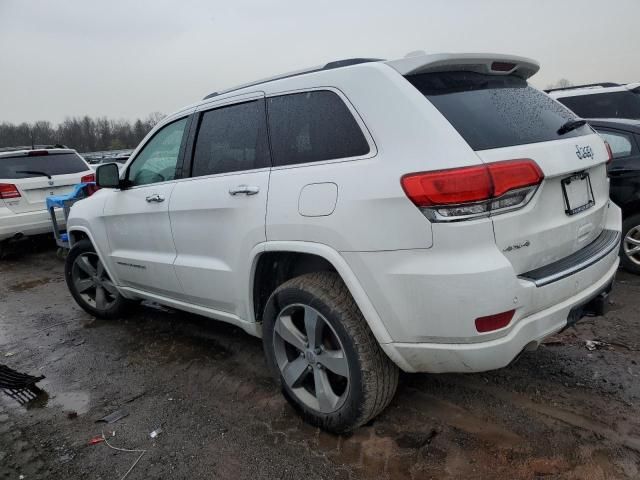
x=37, y=174
x=502, y=118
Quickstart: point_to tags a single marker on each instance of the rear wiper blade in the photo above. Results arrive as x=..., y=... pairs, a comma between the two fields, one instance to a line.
x=571, y=125
x=35, y=172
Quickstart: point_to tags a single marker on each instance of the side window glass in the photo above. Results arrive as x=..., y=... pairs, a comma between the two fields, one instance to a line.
x=158, y=159
x=620, y=143
x=311, y=127
x=232, y=139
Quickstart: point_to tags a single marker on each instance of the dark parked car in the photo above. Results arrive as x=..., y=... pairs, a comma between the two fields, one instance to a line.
x=624, y=138
x=603, y=100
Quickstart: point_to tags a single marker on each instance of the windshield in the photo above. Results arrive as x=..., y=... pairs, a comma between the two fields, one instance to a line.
x=493, y=111
x=52, y=164
x=605, y=105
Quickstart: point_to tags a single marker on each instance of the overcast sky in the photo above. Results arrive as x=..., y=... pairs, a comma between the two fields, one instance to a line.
x=127, y=58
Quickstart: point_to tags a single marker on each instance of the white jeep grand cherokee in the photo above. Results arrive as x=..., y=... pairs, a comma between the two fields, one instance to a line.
x=430, y=214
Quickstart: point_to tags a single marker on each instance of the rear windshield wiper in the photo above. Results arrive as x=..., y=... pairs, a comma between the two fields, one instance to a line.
x=35, y=172
x=571, y=125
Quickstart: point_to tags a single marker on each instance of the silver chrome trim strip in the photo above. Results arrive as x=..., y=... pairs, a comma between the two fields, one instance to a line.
x=597, y=256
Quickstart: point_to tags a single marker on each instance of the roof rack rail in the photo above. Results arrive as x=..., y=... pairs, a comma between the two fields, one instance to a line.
x=31, y=147
x=329, y=66
x=603, y=85
x=347, y=62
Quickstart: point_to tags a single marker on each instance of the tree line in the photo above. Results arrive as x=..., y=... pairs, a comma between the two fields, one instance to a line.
x=85, y=134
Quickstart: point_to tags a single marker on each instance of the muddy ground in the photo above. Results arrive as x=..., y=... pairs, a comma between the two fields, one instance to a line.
x=561, y=412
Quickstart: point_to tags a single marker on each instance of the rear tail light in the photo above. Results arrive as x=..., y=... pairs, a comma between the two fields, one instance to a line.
x=494, y=322
x=37, y=153
x=609, y=152
x=468, y=192
x=8, y=190
x=90, y=179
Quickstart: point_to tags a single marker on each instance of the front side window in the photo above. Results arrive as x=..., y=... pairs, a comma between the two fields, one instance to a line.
x=158, y=159
x=232, y=139
x=620, y=143
x=311, y=127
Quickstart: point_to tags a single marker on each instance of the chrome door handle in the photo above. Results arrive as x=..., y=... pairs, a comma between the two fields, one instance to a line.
x=155, y=198
x=246, y=189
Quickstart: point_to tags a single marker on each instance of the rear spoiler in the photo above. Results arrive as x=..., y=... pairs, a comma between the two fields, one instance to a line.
x=489, y=63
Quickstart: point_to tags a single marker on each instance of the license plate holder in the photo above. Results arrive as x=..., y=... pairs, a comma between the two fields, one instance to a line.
x=578, y=193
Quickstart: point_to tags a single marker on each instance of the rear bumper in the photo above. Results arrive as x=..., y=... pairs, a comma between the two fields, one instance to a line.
x=29, y=223
x=527, y=334
x=429, y=299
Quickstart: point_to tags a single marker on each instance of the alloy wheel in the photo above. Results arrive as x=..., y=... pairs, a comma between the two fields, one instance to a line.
x=92, y=281
x=311, y=358
x=631, y=245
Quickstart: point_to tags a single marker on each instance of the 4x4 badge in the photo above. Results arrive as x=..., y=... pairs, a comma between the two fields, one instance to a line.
x=584, y=152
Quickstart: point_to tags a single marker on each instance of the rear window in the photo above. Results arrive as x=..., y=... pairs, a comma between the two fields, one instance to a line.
x=605, y=105
x=312, y=127
x=52, y=164
x=491, y=111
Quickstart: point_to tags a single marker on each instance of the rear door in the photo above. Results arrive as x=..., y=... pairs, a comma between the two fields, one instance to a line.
x=218, y=216
x=38, y=174
x=503, y=118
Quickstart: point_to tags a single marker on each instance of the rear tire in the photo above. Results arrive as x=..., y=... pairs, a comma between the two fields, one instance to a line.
x=90, y=285
x=629, y=257
x=314, y=335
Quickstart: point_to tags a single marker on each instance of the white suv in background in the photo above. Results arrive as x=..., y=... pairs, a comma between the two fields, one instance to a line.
x=601, y=100
x=429, y=214
x=27, y=178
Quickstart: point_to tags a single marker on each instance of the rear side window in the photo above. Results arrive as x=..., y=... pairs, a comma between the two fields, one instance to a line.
x=52, y=164
x=604, y=105
x=621, y=144
x=232, y=139
x=311, y=127
x=491, y=111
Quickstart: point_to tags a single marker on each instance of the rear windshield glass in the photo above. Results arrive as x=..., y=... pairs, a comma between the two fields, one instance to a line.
x=605, y=105
x=52, y=164
x=491, y=111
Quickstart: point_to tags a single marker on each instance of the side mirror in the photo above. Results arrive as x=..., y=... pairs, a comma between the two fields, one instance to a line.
x=108, y=176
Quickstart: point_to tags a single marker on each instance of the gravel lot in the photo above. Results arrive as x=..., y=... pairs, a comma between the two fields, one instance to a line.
x=561, y=412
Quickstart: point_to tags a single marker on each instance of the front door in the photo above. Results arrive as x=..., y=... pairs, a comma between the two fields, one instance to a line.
x=218, y=216
x=141, y=245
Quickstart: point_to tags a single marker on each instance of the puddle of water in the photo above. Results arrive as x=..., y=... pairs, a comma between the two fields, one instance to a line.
x=28, y=284
x=70, y=402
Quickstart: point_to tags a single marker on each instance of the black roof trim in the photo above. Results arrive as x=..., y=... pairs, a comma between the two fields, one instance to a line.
x=574, y=87
x=347, y=62
x=33, y=147
x=329, y=66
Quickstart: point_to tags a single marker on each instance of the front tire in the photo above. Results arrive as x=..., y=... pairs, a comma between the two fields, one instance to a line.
x=90, y=285
x=323, y=355
x=630, y=247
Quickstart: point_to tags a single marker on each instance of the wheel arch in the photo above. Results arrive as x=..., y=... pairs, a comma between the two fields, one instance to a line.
x=316, y=257
x=78, y=233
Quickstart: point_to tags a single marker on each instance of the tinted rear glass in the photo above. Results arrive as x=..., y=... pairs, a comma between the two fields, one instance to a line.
x=311, y=127
x=605, y=105
x=53, y=164
x=232, y=139
x=491, y=111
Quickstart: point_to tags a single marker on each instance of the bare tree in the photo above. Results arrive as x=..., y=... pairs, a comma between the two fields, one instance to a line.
x=562, y=83
x=82, y=133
